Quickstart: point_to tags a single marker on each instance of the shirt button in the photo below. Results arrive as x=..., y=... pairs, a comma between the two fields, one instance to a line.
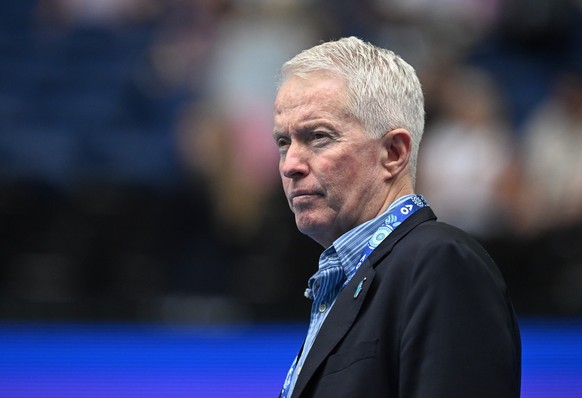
x=322, y=307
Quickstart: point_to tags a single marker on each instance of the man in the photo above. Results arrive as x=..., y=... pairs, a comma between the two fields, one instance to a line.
x=403, y=306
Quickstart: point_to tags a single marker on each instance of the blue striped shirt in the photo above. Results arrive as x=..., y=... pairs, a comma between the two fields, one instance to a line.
x=337, y=264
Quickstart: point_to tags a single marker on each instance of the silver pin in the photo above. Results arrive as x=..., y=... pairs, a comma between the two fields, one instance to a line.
x=359, y=288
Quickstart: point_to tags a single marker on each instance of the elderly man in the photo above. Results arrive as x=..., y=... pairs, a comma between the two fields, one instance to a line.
x=403, y=305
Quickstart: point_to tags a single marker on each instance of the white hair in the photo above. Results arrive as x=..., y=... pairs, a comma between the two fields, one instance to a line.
x=384, y=92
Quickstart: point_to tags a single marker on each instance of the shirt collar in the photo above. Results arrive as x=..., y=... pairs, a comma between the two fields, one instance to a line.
x=347, y=248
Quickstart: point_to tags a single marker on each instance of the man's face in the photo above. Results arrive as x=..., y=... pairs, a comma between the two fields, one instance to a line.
x=332, y=173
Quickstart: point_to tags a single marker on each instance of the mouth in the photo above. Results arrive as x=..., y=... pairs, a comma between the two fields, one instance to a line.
x=301, y=195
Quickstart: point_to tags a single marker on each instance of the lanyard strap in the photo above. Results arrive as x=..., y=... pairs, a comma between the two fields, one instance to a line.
x=399, y=212
x=286, y=386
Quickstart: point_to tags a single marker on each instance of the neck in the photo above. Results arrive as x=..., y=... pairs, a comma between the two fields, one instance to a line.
x=396, y=190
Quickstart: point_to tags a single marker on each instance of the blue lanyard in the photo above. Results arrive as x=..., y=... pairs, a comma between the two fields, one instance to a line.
x=287, y=384
x=400, y=211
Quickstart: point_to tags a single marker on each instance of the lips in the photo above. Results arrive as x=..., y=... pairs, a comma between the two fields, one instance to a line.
x=303, y=194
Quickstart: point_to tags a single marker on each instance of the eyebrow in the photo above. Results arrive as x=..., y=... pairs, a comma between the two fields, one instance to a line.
x=278, y=133
x=314, y=124
x=306, y=126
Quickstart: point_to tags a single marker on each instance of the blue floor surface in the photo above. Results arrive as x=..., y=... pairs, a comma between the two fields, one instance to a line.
x=235, y=361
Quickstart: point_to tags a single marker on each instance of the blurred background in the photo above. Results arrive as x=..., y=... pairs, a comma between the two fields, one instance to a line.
x=138, y=178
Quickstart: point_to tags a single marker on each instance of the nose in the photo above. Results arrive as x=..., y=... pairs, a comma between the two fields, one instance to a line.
x=293, y=163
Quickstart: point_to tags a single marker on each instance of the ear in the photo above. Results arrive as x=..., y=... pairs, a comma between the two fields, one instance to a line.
x=397, y=145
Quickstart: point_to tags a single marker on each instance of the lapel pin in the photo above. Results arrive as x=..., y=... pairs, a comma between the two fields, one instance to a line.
x=359, y=288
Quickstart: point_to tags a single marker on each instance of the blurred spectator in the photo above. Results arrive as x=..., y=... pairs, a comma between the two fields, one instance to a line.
x=210, y=147
x=528, y=45
x=225, y=138
x=549, y=202
x=552, y=160
x=466, y=151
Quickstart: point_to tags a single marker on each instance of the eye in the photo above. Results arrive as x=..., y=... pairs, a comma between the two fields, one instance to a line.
x=319, y=136
x=321, y=139
x=282, y=141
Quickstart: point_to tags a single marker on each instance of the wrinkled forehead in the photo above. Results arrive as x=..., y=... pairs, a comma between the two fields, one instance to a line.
x=318, y=89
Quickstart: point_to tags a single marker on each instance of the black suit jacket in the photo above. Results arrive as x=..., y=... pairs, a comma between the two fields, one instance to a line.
x=432, y=319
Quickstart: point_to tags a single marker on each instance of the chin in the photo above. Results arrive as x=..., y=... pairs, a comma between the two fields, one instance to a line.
x=311, y=228
x=307, y=224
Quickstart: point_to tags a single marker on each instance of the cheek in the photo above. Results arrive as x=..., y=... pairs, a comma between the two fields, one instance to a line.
x=339, y=179
x=345, y=169
x=354, y=179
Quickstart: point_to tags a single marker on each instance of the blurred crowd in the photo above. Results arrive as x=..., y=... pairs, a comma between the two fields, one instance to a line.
x=138, y=178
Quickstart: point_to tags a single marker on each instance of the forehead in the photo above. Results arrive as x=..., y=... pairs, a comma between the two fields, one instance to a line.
x=319, y=94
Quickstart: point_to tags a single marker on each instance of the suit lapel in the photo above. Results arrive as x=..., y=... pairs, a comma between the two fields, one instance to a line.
x=348, y=304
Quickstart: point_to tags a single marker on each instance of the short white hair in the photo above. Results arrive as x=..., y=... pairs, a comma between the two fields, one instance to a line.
x=384, y=92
